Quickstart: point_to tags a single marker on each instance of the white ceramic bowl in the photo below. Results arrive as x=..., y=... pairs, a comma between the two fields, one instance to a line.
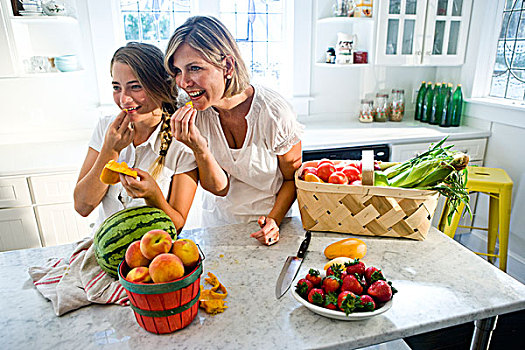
x=339, y=315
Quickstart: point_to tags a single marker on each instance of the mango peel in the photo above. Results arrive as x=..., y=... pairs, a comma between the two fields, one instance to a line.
x=212, y=300
x=111, y=171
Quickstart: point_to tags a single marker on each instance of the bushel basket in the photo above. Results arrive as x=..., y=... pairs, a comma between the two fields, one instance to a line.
x=365, y=210
x=164, y=307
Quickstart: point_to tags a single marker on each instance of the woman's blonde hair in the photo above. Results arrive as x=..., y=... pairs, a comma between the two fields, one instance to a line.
x=147, y=63
x=214, y=42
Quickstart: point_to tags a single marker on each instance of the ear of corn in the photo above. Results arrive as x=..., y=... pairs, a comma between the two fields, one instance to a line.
x=439, y=168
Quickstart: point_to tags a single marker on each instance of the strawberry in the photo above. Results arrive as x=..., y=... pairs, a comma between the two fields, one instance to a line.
x=313, y=276
x=373, y=274
x=355, y=266
x=335, y=269
x=331, y=301
x=351, y=283
x=331, y=284
x=380, y=291
x=347, y=301
x=367, y=303
x=316, y=296
x=303, y=287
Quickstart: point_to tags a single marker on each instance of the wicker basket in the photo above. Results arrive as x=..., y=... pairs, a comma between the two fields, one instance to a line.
x=365, y=210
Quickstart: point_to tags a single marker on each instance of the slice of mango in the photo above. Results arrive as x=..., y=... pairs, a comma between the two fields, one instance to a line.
x=110, y=173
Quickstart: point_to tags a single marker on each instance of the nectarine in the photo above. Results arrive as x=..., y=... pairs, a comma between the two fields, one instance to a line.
x=165, y=268
x=134, y=257
x=187, y=251
x=139, y=274
x=155, y=242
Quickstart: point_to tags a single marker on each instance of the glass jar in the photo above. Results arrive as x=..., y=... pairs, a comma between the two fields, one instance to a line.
x=366, y=112
x=381, y=108
x=397, y=106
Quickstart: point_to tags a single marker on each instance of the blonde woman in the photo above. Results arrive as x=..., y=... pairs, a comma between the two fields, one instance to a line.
x=140, y=135
x=245, y=137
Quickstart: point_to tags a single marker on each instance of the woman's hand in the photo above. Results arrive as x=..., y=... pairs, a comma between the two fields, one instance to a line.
x=120, y=133
x=269, y=232
x=185, y=131
x=144, y=186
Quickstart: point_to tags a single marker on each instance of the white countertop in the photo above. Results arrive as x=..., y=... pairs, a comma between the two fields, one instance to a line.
x=440, y=284
x=68, y=154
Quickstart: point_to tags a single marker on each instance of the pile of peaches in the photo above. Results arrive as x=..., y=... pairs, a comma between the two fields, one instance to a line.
x=156, y=258
x=341, y=172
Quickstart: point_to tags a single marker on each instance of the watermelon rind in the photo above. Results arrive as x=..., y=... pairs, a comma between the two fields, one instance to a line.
x=121, y=229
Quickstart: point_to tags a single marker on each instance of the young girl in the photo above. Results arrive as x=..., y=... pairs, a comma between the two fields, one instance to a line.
x=244, y=136
x=139, y=135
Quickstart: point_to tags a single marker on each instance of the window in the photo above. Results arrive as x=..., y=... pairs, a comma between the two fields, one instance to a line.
x=508, y=77
x=258, y=26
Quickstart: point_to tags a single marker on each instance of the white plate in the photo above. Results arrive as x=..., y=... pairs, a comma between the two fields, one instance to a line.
x=339, y=315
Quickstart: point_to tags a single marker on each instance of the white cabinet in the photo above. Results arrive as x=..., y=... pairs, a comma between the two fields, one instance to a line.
x=18, y=229
x=37, y=210
x=475, y=148
x=422, y=32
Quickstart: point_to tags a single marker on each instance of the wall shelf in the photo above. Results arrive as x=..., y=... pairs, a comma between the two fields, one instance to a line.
x=344, y=20
x=335, y=65
x=44, y=19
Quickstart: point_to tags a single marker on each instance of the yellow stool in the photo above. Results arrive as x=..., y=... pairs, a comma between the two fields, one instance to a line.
x=498, y=185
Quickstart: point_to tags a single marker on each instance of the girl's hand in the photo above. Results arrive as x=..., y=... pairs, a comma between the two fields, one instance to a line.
x=269, y=232
x=119, y=134
x=185, y=131
x=144, y=186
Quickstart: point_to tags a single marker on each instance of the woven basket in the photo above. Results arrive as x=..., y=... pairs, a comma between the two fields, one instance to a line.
x=365, y=210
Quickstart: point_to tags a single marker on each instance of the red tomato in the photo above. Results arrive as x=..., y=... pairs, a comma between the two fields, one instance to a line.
x=309, y=170
x=313, y=163
x=352, y=173
x=325, y=160
x=338, y=177
x=339, y=167
x=325, y=170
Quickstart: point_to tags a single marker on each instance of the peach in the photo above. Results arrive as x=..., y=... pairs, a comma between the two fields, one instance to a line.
x=134, y=257
x=187, y=251
x=139, y=274
x=155, y=242
x=166, y=267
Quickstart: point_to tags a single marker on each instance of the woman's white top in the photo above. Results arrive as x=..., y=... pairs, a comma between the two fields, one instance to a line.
x=179, y=159
x=253, y=170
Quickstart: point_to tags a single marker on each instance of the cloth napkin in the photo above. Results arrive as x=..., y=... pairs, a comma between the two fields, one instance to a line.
x=78, y=281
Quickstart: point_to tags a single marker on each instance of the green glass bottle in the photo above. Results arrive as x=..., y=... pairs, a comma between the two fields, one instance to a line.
x=457, y=107
x=419, y=100
x=445, y=116
x=426, y=110
x=435, y=105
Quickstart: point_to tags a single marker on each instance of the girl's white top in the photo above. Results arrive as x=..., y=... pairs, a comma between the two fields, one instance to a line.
x=179, y=159
x=253, y=170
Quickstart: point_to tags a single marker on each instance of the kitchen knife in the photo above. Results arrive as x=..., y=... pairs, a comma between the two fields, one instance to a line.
x=291, y=267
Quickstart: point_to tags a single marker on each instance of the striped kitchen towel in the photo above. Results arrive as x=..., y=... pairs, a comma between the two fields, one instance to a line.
x=78, y=281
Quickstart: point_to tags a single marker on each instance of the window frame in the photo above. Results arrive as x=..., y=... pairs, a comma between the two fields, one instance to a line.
x=108, y=35
x=484, y=64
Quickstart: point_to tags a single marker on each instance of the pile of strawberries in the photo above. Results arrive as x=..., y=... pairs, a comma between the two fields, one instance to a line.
x=349, y=288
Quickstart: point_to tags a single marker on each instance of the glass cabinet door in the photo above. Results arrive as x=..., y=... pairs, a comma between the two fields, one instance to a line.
x=400, y=32
x=446, y=32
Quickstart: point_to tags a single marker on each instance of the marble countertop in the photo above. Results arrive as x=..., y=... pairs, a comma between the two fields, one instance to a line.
x=67, y=153
x=440, y=284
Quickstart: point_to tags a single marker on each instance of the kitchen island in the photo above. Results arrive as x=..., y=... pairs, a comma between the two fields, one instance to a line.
x=440, y=284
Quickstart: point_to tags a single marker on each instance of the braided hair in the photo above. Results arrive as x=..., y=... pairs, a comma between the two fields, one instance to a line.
x=147, y=63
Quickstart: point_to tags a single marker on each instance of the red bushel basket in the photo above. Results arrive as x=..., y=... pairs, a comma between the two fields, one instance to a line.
x=164, y=307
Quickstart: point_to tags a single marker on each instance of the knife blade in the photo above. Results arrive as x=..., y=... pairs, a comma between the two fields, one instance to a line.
x=291, y=267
